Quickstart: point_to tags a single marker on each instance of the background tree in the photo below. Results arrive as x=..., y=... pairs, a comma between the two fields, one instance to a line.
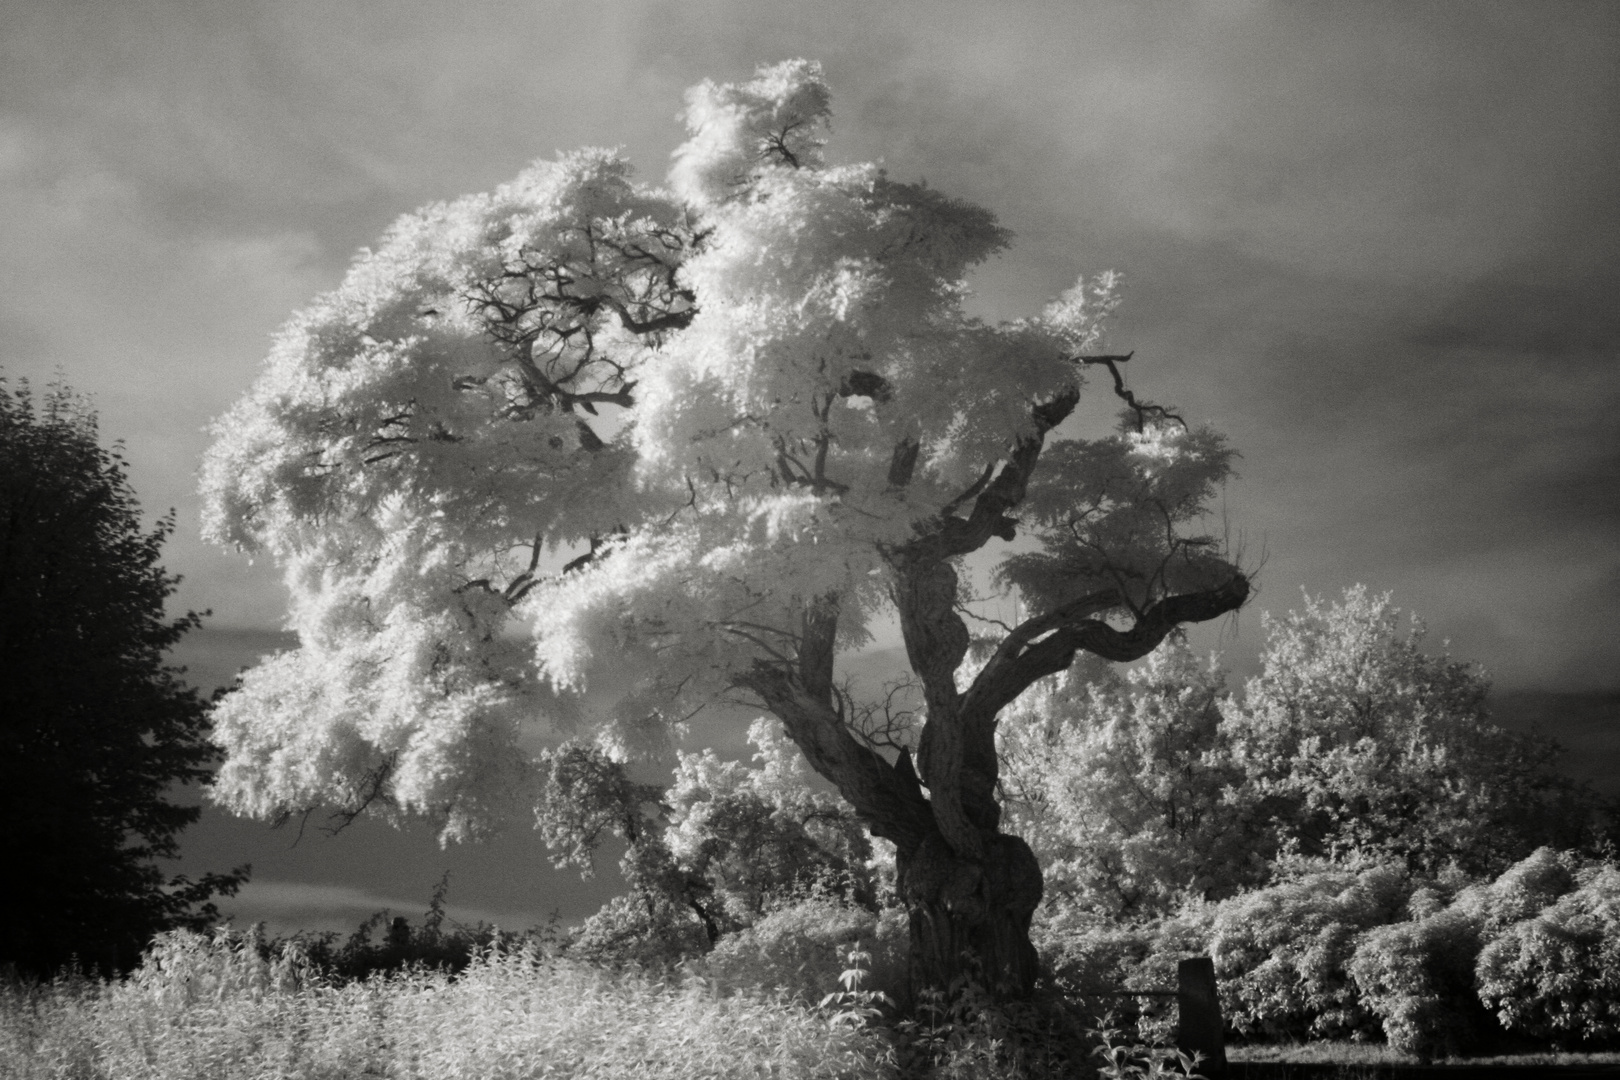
x=1377, y=749
x=96, y=729
x=1352, y=746
x=751, y=415
x=1129, y=791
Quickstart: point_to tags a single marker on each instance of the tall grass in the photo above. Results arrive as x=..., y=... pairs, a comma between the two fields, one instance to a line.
x=219, y=1009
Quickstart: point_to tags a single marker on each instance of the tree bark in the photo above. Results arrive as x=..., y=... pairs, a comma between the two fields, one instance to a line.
x=971, y=917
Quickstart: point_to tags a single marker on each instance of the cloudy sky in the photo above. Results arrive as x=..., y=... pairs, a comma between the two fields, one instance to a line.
x=1375, y=243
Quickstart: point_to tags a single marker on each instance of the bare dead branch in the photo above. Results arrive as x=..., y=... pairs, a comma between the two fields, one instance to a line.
x=1143, y=409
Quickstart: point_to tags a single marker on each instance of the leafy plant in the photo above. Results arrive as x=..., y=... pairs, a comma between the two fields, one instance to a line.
x=1556, y=976
x=1124, y=1058
x=802, y=949
x=1417, y=977
x=1421, y=976
x=218, y=1008
x=1282, y=953
x=855, y=1005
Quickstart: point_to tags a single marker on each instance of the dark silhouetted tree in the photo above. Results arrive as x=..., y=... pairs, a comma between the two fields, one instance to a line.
x=95, y=729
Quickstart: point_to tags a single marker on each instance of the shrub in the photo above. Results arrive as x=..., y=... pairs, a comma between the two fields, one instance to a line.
x=1419, y=976
x=1334, y=952
x=1557, y=976
x=647, y=931
x=1088, y=954
x=758, y=836
x=1281, y=952
x=961, y=1034
x=1522, y=890
x=402, y=945
x=801, y=950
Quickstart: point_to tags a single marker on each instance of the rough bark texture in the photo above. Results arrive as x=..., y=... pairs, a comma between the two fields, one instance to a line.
x=972, y=913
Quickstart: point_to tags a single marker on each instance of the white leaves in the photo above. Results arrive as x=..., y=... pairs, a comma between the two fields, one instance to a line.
x=390, y=729
x=1125, y=787
x=1078, y=315
x=592, y=608
x=741, y=394
x=776, y=121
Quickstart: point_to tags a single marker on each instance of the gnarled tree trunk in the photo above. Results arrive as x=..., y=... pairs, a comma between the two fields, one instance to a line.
x=971, y=916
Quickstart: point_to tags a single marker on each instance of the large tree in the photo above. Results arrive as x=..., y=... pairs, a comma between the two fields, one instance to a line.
x=696, y=441
x=95, y=728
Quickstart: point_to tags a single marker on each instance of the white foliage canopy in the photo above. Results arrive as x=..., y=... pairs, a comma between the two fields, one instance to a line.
x=737, y=391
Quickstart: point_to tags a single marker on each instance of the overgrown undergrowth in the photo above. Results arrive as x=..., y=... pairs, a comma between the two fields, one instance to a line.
x=219, y=1010
x=231, y=1007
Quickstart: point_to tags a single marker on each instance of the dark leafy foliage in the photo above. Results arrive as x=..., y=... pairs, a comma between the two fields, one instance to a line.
x=386, y=942
x=95, y=728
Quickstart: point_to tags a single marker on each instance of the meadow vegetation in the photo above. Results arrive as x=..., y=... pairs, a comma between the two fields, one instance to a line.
x=214, y=1009
x=234, y=1006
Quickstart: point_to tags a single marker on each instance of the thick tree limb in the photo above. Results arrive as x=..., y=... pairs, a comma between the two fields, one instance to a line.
x=990, y=516
x=817, y=645
x=885, y=796
x=1017, y=664
x=904, y=462
x=674, y=320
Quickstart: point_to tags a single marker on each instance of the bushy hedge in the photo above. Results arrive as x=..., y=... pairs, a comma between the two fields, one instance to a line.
x=1557, y=976
x=1284, y=951
x=1418, y=976
x=801, y=949
x=1432, y=965
x=1088, y=953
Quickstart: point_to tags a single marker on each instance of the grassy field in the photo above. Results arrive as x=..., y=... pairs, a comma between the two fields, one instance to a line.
x=231, y=1008
x=208, y=1012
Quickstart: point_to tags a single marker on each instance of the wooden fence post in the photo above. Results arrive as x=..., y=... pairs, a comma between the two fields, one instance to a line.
x=1199, y=1028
